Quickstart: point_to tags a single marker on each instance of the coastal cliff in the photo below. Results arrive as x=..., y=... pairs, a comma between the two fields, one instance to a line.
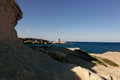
x=18, y=62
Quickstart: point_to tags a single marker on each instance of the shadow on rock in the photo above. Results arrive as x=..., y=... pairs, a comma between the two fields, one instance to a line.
x=77, y=57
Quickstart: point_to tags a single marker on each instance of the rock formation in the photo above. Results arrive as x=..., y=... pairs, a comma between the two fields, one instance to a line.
x=106, y=65
x=10, y=13
x=112, y=70
x=18, y=62
x=33, y=41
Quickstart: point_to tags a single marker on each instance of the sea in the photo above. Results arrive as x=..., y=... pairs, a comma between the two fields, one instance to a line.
x=90, y=47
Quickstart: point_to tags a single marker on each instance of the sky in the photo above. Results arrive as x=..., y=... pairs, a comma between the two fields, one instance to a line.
x=70, y=20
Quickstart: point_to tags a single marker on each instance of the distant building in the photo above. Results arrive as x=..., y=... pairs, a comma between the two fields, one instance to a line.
x=58, y=41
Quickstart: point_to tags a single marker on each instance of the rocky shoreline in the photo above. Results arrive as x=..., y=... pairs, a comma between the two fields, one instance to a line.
x=19, y=62
x=106, y=65
x=40, y=41
x=112, y=70
x=34, y=41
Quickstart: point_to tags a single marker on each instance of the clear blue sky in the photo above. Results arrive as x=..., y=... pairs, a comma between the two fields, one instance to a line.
x=70, y=20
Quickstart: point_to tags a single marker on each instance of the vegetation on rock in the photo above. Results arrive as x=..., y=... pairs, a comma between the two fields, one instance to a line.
x=104, y=62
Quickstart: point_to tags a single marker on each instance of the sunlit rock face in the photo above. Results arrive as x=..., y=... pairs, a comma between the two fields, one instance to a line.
x=10, y=13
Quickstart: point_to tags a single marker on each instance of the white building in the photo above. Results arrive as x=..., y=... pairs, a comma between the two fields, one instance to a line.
x=58, y=41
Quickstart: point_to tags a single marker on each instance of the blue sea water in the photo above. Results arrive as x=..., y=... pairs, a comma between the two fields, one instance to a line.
x=90, y=47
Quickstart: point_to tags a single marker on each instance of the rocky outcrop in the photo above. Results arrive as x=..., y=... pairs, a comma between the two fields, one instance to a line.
x=105, y=65
x=78, y=57
x=10, y=13
x=100, y=64
x=18, y=62
x=33, y=41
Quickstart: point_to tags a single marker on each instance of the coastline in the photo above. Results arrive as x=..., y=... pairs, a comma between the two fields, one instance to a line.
x=90, y=47
x=76, y=56
x=111, y=60
x=21, y=62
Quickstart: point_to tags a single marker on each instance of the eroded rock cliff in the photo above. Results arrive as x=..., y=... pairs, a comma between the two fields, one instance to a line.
x=10, y=13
